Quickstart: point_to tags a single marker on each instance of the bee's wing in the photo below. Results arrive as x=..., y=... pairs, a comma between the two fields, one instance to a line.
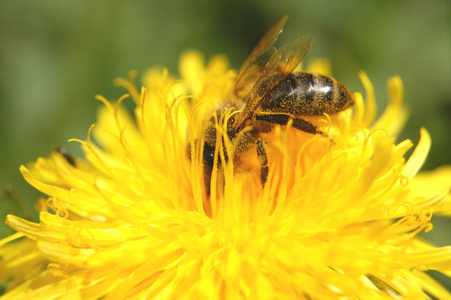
x=256, y=61
x=277, y=67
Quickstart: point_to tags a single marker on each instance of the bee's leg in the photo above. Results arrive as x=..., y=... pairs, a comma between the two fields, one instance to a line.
x=306, y=126
x=263, y=158
x=69, y=158
x=282, y=119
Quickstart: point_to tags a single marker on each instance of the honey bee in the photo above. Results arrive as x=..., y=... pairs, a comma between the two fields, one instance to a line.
x=267, y=93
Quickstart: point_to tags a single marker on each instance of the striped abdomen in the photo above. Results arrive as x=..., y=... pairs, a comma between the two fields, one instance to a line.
x=308, y=94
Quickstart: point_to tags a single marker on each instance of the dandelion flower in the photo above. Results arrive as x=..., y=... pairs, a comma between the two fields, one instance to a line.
x=338, y=217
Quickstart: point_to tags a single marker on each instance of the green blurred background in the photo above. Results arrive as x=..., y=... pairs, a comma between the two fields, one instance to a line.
x=56, y=55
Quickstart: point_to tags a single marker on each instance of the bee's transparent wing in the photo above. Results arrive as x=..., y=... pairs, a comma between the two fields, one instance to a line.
x=276, y=68
x=256, y=62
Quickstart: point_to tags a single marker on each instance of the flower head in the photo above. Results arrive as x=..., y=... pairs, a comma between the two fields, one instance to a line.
x=337, y=217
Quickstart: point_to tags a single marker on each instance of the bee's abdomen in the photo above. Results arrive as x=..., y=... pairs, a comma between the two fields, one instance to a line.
x=308, y=94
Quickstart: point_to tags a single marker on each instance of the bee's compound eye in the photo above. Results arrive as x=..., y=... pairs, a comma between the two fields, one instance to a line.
x=208, y=156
